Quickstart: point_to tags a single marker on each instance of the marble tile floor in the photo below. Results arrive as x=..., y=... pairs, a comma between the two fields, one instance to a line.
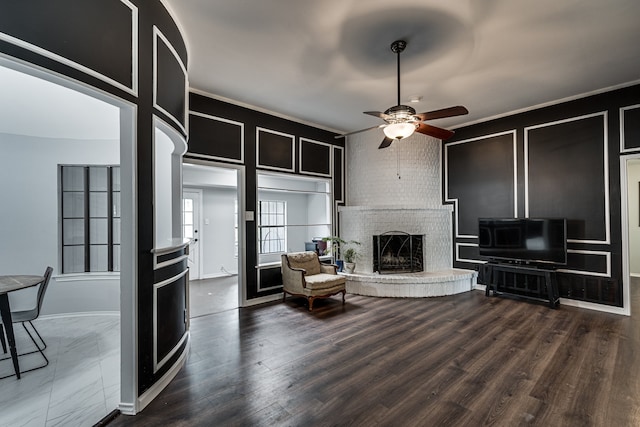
x=82, y=382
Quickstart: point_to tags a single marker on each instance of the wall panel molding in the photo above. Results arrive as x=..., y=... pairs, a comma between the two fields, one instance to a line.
x=229, y=150
x=315, y=157
x=130, y=87
x=630, y=129
x=554, y=175
x=161, y=98
x=455, y=200
x=275, y=150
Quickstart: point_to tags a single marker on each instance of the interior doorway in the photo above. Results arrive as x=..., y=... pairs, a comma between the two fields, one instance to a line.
x=630, y=190
x=51, y=122
x=212, y=206
x=191, y=208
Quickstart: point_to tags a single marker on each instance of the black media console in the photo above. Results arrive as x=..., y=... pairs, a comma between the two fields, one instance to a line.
x=522, y=281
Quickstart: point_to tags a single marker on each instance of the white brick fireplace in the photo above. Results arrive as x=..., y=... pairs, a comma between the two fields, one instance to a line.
x=399, y=188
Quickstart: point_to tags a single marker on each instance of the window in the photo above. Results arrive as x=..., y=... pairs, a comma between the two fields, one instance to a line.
x=90, y=226
x=271, y=226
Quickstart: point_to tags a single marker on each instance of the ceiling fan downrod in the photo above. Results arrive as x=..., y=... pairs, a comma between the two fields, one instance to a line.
x=397, y=47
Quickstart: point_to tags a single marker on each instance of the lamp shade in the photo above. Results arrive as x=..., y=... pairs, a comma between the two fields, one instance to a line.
x=399, y=130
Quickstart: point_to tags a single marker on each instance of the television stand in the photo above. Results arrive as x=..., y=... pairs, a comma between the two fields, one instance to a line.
x=522, y=281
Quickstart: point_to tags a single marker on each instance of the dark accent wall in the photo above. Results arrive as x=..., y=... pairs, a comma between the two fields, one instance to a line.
x=558, y=161
x=221, y=132
x=109, y=45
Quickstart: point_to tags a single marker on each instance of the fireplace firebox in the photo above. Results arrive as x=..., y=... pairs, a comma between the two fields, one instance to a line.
x=397, y=252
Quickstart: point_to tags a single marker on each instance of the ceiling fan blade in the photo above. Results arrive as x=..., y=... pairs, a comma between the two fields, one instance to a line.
x=435, y=132
x=445, y=112
x=358, y=131
x=385, y=142
x=383, y=116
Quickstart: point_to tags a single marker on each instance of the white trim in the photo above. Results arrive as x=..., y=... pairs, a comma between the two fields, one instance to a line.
x=594, y=306
x=199, y=226
x=606, y=254
x=157, y=265
x=607, y=214
x=622, y=146
x=262, y=300
x=181, y=28
x=259, y=270
x=474, y=261
x=221, y=119
x=547, y=104
x=158, y=364
x=336, y=202
x=274, y=132
x=157, y=34
x=263, y=110
x=153, y=391
x=446, y=177
x=133, y=89
x=242, y=224
x=302, y=171
x=624, y=225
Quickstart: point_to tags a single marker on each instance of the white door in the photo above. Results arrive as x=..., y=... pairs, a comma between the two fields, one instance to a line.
x=191, y=201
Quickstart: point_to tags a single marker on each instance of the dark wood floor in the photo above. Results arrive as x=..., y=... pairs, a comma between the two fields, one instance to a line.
x=464, y=360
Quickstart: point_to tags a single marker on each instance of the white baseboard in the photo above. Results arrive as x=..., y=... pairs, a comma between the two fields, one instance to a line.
x=159, y=385
x=262, y=300
x=635, y=274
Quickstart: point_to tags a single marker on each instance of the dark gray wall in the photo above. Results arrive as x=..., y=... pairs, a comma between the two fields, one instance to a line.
x=559, y=161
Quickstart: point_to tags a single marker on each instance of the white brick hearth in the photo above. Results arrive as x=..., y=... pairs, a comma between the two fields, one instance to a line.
x=399, y=189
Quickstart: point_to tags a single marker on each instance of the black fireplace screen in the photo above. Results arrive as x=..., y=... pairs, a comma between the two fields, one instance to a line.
x=397, y=252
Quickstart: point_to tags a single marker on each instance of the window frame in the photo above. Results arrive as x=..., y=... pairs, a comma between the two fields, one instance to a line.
x=112, y=214
x=282, y=227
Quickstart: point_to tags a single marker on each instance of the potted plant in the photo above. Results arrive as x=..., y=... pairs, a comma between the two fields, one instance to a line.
x=335, y=243
x=350, y=257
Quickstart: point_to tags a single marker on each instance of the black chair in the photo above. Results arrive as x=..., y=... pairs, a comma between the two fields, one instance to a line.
x=27, y=316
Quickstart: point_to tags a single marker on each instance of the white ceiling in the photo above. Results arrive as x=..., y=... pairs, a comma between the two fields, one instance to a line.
x=327, y=61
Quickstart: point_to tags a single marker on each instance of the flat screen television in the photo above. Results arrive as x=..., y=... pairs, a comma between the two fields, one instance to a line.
x=524, y=240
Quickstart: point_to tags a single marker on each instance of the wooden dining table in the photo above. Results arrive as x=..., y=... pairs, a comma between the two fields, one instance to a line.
x=10, y=284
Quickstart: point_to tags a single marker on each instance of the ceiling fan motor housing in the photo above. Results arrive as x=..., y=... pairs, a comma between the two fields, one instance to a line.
x=401, y=113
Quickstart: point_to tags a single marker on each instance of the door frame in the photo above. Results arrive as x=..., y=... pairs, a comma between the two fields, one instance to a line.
x=197, y=191
x=242, y=226
x=624, y=202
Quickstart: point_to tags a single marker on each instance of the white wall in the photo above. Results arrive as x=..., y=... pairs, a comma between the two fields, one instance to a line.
x=29, y=218
x=634, y=217
x=407, y=173
x=218, y=235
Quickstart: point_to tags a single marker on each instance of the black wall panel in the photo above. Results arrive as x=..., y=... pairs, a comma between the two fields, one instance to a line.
x=171, y=322
x=270, y=277
x=171, y=83
x=565, y=169
x=567, y=178
x=631, y=130
x=91, y=41
x=96, y=34
x=275, y=150
x=480, y=175
x=315, y=158
x=338, y=170
x=211, y=137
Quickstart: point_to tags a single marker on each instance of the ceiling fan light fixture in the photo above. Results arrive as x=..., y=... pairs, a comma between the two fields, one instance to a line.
x=399, y=130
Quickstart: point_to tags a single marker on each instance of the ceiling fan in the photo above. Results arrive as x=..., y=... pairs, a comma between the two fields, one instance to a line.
x=400, y=121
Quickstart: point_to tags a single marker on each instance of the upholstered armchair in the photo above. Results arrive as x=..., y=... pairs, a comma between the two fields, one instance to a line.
x=304, y=275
